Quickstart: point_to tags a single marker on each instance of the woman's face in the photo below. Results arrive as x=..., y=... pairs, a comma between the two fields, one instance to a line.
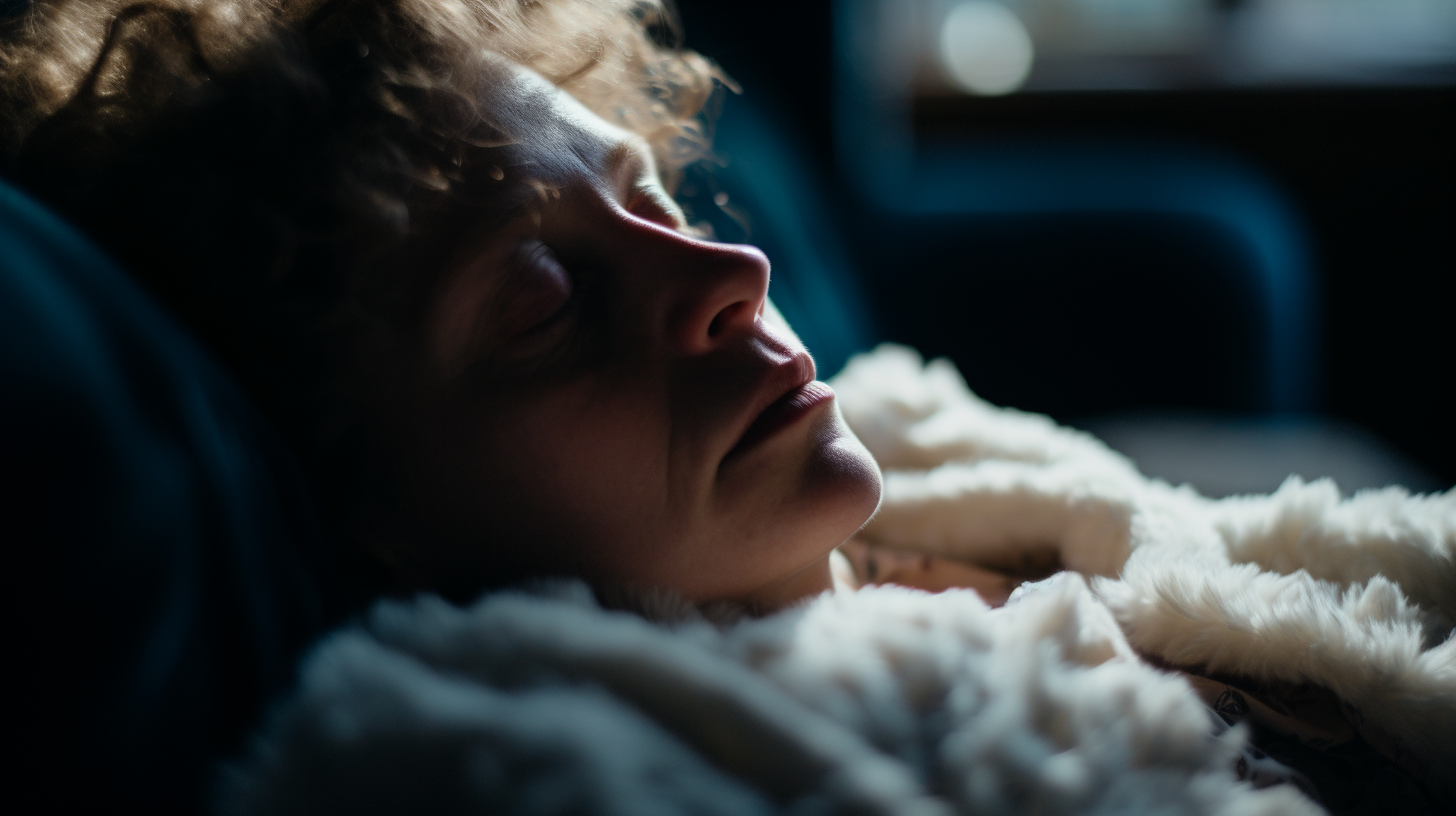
x=602, y=394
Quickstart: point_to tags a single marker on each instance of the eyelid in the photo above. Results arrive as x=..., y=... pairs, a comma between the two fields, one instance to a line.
x=541, y=289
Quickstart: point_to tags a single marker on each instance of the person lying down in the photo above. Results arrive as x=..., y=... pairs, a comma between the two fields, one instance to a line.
x=593, y=494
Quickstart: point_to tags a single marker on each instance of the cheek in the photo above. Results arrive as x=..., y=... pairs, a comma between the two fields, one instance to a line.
x=577, y=477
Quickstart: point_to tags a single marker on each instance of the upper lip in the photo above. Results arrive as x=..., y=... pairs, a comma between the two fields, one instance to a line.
x=778, y=382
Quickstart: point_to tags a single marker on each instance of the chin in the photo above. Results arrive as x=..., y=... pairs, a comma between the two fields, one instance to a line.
x=842, y=481
x=790, y=512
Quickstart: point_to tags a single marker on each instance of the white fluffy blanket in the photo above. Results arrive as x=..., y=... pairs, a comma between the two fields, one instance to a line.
x=889, y=700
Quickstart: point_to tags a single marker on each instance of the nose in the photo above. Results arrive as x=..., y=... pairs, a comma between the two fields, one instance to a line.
x=716, y=293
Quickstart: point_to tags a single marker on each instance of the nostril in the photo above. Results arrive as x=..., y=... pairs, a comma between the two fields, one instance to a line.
x=727, y=316
x=719, y=291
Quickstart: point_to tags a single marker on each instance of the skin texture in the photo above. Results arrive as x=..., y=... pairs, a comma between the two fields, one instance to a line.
x=871, y=564
x=586, y=376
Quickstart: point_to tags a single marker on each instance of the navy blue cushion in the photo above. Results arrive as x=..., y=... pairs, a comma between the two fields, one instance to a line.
x=166, y=565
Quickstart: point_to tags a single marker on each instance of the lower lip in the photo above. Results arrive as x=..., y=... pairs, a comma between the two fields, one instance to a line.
x=788, y=410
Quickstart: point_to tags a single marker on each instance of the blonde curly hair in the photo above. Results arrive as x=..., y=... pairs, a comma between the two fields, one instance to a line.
x=128, y=57
x=277, y=170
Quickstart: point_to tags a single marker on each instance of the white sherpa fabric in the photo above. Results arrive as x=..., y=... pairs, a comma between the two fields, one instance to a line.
x=884, y=701
x=890, y=700
x=1357, y=595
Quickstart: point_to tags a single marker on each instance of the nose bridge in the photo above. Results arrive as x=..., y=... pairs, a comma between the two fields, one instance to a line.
x=714, y=292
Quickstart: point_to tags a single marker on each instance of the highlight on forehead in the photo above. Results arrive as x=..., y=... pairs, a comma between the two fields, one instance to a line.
x=554, y=120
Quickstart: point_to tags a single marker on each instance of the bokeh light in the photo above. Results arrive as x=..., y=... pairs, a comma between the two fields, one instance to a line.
x=985, y=48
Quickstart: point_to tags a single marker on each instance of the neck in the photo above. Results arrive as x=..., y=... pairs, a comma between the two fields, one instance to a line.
x=805, y=583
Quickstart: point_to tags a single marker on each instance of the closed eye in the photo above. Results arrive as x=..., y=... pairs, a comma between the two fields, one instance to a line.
x=540, y=288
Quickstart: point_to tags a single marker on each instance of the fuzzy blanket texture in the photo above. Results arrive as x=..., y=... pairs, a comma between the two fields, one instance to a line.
x=891, y=700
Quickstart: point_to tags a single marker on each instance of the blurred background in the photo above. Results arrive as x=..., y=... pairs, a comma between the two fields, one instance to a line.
x=1219, y=233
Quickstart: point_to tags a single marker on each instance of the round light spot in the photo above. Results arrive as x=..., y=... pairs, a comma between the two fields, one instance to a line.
x=985, y=48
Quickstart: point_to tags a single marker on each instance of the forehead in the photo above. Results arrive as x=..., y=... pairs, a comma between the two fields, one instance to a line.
x=553, y=138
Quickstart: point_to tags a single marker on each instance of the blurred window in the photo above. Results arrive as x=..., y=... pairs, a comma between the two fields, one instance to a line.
x=991, y=47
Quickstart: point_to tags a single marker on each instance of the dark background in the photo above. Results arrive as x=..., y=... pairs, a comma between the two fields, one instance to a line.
x=1022, y=305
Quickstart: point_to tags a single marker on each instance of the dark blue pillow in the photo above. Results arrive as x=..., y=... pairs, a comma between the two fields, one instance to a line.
x=166, y=567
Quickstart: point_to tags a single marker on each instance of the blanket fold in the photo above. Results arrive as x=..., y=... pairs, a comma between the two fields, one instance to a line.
x=1355, y=595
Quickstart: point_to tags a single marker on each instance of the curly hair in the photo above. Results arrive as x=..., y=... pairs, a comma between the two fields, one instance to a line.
x=275, y=170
